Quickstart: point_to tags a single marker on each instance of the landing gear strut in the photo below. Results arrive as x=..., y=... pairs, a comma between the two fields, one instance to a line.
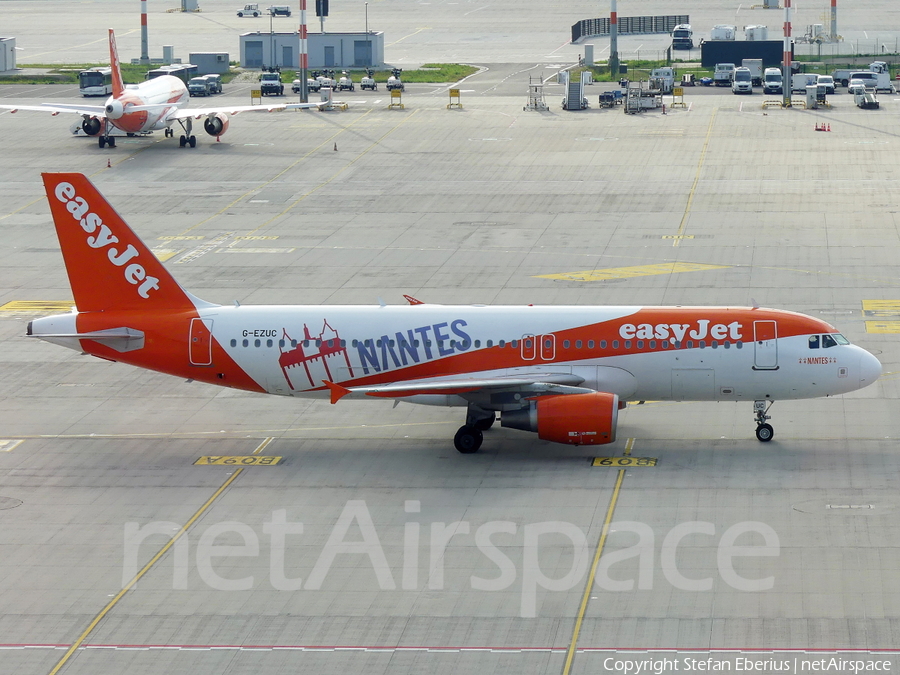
x=105, y=139
x=764, y=431
x=187, y=138
x=469, y=437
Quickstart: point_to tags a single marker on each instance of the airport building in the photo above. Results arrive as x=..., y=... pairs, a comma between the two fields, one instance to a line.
x=326, y=50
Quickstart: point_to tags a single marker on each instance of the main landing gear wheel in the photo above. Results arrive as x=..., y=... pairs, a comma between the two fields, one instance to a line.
x=468, y=440
x=111, y=141
x=182, y=141
x=765, y=432
x=192, y=141
x=169, y=133
x=102, y=141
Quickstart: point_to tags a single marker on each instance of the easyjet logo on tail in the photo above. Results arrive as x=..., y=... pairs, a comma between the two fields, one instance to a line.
x=100, y=236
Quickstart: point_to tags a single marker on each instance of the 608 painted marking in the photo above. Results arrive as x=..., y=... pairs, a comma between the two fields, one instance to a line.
x=238, y=460
x=624, y=461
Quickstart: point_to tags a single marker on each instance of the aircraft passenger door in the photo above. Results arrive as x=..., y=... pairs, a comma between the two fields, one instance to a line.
x=765, y=345
x=548, y=347
x=200, y=341
x=529, y=349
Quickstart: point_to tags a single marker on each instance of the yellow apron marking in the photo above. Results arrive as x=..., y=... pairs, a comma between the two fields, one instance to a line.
x=176, y=237
x=630, y=272
x=624, y=461
x=238, y=460
x=39, y=306
x=880, y=308
x=260, y=236
x=8, y=445
x=163, y=254
x=687, y=207
x=255, y=250
x=146, y=568
x=883, y=326
x=589, y=586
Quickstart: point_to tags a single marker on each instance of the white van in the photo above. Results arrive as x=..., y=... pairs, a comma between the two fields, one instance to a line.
x=742, y=82
x=772, y=81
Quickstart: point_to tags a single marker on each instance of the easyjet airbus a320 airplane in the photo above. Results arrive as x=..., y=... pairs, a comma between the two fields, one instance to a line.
x=152, y=105
x=563, y=372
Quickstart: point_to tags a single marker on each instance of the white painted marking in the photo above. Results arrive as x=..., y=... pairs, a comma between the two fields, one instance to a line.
x=10, y=445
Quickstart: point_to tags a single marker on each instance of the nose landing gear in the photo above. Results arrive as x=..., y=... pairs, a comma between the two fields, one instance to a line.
x=764, y=431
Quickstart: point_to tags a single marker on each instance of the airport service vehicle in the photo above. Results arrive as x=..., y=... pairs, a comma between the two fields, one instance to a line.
x=326, y=79
x=95, y=81
x=394, y=82
x=279, y=10
x=682, y=36
x=842, y=75
x=742, y=82
x=877, y=77
x=856, y=86
x=346, y=82
x=826, y=81
x=722, y=32
x=215, y=83
x=800, y=81
x=154, y=104
x=368, y=82
x=772, y=81
x=198, y=86
x=249, y=10
x=270, y=84
x=756, y=70
x=864, y=98
x=723, y=74
x=563, y=372
x=662, y=79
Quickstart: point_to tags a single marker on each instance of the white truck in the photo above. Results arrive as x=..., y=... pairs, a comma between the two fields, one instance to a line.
x=772, y=81
x=722, y=32
x=682, y=36
x=756, y=70
x=662, y=79
x=800, y=81
x=756, y=33
x=249, y=10
x=723, y=75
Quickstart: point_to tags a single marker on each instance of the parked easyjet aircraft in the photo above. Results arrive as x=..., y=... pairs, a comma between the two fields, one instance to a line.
x=563, y=372
x=151, y=105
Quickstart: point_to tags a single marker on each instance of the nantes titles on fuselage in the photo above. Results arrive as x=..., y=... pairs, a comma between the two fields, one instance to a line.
x=413, y=346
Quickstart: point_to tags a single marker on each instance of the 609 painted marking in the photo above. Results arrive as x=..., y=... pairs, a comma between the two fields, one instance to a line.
x=238, y=460
x=624, y=461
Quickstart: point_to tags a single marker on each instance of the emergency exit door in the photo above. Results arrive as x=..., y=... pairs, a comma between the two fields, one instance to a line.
x=200, y=341
x=765, y=345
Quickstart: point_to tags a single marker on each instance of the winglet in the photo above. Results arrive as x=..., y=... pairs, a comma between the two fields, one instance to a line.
x=117, y=83
x=337, y=391
x=411, y=300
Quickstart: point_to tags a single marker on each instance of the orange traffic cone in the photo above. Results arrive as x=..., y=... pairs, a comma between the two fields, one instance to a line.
x=108, y=164
x=335, y=146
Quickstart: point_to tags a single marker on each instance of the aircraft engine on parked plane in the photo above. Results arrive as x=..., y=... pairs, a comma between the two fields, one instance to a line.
x=91, y=126
x=216, y=125
x=575, y=419
x=115, y=109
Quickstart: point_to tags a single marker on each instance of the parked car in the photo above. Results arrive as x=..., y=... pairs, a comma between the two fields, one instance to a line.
x=828, y=82
x=249, y=10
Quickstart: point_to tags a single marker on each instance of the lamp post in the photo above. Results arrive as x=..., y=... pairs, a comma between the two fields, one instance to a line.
x=368, y=40
x=272, y=39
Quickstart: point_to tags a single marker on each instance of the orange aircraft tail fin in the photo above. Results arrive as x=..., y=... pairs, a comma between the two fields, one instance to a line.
x=117, y=83
x=109, y=267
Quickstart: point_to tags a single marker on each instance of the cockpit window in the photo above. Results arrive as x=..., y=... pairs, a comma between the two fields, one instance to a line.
x=813, y=341
x=828, y=341
x=840, y=339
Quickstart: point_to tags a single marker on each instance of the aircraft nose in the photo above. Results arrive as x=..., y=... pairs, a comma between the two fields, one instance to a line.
x=869, y=369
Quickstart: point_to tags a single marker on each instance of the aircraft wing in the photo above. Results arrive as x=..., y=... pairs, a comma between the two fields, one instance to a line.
x=539, y=384
x=56, y=108
x=198, y=113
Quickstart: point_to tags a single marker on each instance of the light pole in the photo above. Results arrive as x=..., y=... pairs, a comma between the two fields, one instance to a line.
x=272, y=39
x=368, y=41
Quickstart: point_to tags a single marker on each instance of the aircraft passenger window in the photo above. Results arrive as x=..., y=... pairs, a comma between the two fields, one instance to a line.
x=739, y=344
x=702, y=344
x=527, y=344
x=318, y=343
x=269, y=343
x=828, y=341
x=664, y=344
x=281, y=343
x=256, y=343
x=627, y=344
x=602, y=344
x=490, y=343
x=428, y=343
x=294, y=344
x=813, y=341
x=502, y=343
x=514, y=344
x=577, y=344
x=330, y=343
x=652, y=344
x=615, y=344
x=343, y=343
x=715, y=344
x=640, y=344
x=566, y=344
x=547, y=344
x=477, y=344
x=306, y=343
x=246, y=343
x=415, y=344
x=690, y=344
x=727, y=344
x=234, y=343
x=452, y=344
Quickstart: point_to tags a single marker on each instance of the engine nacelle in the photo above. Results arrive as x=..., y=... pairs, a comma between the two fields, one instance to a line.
x=115, y=109
x=216, y=125
x=575, y=419
x=91, y=126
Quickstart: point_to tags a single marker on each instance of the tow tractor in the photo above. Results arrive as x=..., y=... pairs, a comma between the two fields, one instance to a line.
x=368, y=82
x=394, y=80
